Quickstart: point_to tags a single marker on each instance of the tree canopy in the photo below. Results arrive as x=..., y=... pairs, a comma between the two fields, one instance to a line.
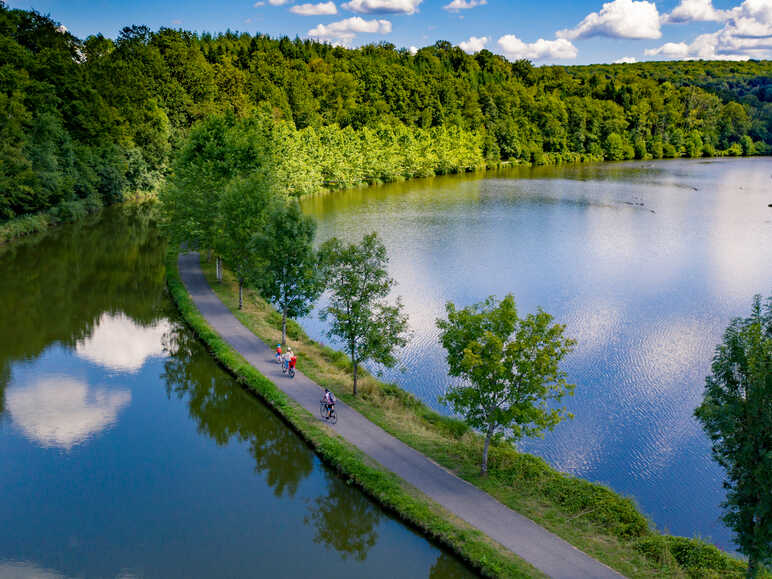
x=736, y=414
x=101, y=117
x=367, y=325
x=509, y=367
x=288, y=276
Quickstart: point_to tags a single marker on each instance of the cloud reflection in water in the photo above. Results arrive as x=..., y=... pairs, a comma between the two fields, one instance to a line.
x=119, y=343
x=62, y=412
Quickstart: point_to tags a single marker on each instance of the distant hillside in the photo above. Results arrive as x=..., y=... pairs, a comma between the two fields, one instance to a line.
x=96, y=118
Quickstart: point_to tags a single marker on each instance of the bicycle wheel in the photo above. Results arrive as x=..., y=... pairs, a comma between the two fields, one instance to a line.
x=333, y=416
x=292, y=372
x=322, y=410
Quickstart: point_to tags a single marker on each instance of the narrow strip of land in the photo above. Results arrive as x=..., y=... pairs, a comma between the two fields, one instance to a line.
x=539, y=547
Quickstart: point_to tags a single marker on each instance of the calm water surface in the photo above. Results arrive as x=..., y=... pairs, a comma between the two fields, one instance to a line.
x=646, y=263
x=126, y=451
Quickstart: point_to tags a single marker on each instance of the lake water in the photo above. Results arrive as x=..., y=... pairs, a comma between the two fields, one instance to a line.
x=646, y=263
x=125, y=451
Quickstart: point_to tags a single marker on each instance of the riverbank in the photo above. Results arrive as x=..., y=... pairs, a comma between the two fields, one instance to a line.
x=64, y=212
x=486, y=556
x=592, y=517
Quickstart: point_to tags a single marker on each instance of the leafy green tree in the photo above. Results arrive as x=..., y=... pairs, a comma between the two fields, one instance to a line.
x=736, y=414
x=358, y=284
x=510, y=368
x=289, y=276
x=241, y=213
x=201, y=170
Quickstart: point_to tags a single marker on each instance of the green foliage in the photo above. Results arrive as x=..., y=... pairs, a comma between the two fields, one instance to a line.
x=241, y=212
x=381, y=485
x=288, y=276
x=590, y=516
x=510, y=368
x=104, y=116
x=38, y=222
x=358, y=283
x=736, y=414
x=698, y=559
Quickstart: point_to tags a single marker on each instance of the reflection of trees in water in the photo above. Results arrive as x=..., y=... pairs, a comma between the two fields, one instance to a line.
x=344, y=520
x=223, y=411
x=448, y=567
x=55, y=288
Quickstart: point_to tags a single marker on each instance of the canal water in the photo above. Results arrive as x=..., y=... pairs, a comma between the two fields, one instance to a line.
x=646, y=263
x=125, y=451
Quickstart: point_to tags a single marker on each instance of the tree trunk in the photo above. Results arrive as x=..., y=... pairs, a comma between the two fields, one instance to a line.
x=283, y=326
x=753, y=567
x=355, y=378
x=488, y=436
x=219, y=269
x=241, y=287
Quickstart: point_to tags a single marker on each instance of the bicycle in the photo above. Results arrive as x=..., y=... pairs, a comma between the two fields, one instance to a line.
x=291, y=372
x=278, y=358
x=328, y=412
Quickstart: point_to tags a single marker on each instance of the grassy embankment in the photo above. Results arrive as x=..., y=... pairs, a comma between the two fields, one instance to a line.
x=407, y=503
x=590, y=516
x=64, y=212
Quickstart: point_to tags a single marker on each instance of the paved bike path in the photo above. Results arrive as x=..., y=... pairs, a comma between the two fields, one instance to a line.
x=542, y=549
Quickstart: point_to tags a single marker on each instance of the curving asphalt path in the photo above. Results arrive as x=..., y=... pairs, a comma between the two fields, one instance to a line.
x=542, y=549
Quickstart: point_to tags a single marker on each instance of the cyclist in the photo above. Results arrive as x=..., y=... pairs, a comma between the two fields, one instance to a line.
x=285, y=360
x=278, y=352
x=329, y=402
x=292, y=361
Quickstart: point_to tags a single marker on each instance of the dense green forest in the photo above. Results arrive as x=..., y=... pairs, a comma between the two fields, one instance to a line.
x=94, y=119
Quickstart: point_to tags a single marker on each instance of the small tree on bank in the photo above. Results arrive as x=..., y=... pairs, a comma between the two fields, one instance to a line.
x=289, y=276
x=736, y=413
x=242, y=212
x=510, y=367
x=356, y=276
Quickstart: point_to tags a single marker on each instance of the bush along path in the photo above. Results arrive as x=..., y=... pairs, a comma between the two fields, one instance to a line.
x=542, y=549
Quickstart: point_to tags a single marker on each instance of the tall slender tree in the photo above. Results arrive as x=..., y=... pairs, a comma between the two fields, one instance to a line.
x=289, y=276
x=241, y=213
x=736, y=413
x=369, y=327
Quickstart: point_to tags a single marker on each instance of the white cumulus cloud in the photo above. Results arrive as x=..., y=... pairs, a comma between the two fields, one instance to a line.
x=314, y=9
x=695, y=11
x=618, y=19
x=279, y=2
x=626, y=60
x=413, y=49
x=383, y=6
x=345, y=31
x=746, y=34
x=474, y=44
x=514, y=48
x=458, y=5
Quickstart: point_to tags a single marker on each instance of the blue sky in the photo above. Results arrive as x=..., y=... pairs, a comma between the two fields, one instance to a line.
x=553, y=31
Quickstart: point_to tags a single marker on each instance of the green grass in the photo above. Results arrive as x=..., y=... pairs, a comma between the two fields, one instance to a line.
x=481, y=553
x=590, y=516
x=64, y=212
